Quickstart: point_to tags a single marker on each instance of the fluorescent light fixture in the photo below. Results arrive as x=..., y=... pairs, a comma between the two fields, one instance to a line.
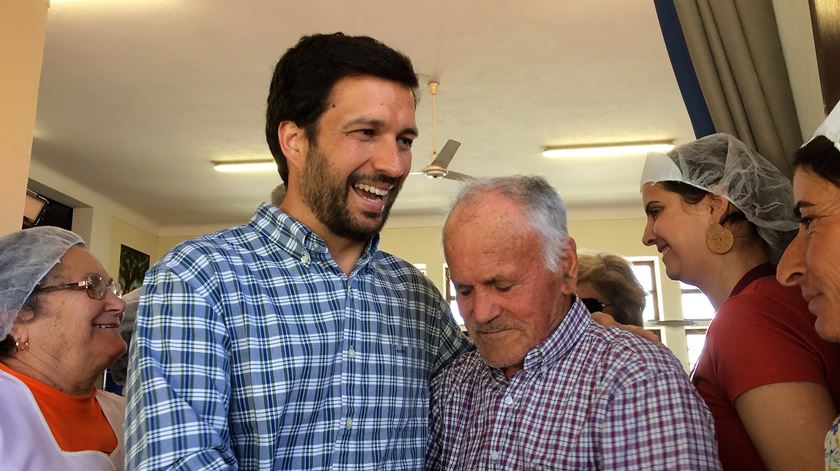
x=604, y=150
x=241, y=166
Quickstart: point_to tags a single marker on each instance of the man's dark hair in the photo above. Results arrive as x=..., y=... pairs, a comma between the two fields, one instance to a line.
x=305, y=75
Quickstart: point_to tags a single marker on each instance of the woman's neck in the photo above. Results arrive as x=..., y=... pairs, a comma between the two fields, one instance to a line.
x=717, y=284
x=53, y=375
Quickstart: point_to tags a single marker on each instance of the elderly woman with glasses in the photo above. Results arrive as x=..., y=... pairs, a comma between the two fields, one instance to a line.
x=60, y=314
x=812, y=260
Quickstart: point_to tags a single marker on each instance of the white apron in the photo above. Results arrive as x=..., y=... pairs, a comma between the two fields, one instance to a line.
x=27, y=443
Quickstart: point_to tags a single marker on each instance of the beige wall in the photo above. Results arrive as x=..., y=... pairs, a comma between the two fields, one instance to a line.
x=22, y=24
x=417, y=245
x=165, y=244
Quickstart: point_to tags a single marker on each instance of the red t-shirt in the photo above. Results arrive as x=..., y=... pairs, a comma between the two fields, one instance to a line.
x=763, y=334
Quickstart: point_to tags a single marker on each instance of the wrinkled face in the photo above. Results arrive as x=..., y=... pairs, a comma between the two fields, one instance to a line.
x=812, y=260
x=71, y=329
x=509, y=300
x=362, y=156
x=677, y=229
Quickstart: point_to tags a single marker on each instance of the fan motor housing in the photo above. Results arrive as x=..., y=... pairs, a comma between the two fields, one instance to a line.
x=434, y=171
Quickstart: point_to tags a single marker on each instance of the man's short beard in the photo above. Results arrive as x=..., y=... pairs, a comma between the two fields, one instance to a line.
x=326, y=195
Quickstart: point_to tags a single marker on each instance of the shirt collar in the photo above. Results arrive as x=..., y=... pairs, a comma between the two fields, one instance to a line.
x=562, y=339
x=298, y=239
x=556, y=346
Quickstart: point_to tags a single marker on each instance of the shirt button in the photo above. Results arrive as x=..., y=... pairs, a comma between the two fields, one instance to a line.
x=508, y=400
x=305, y=258
x=349, y=422
x=495, y=455
x=351, y=352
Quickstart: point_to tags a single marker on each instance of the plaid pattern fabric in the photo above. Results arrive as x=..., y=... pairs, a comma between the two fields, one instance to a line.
x=253, y=350
x=587, y=398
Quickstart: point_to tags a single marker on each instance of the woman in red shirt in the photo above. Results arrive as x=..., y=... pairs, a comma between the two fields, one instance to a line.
x=721, y=215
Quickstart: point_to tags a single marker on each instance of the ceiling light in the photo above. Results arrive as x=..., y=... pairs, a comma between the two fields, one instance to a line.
x=239, y=166
x=603, y=150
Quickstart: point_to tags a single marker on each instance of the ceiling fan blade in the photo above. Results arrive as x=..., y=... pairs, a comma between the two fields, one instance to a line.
x=446, y=154
x=461, y=177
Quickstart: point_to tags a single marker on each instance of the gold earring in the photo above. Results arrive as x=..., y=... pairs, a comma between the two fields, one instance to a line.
x=719, y=239
x=25, y=345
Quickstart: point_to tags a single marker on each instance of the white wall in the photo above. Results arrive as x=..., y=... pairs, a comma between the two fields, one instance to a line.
x=94, y=220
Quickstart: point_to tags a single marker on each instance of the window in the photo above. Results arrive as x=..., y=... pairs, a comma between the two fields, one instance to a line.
x=694, y=340
x=695, y=304
x=645, y=271
x=421, y=267
x=451, y=298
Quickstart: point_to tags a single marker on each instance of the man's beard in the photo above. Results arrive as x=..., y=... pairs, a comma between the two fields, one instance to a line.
x=325, y=193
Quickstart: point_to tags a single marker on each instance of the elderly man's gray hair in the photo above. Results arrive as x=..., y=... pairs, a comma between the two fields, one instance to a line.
x=542, y=206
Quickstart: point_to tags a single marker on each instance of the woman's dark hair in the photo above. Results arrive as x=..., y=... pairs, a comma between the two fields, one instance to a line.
x=821, y=157
x=689, y=193
x=304, y=78
x=693, y=195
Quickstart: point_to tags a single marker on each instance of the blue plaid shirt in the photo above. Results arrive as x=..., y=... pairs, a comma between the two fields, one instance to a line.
x=253, y=350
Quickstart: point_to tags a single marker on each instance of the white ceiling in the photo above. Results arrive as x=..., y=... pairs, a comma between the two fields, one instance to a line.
x=138, y=96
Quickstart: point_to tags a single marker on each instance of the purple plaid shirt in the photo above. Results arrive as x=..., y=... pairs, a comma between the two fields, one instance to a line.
x=587, y=398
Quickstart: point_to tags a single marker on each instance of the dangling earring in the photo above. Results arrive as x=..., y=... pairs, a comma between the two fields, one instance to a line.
x=719, y=239
x=25, y=345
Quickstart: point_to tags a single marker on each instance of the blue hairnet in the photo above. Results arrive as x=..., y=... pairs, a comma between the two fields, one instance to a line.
x=25, y=259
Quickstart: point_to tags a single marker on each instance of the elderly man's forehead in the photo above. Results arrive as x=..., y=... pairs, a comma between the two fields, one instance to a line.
x=489, y=210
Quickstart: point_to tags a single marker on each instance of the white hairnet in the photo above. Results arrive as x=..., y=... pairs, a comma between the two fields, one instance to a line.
x=25, y=259
x=830, y=128
x=725, y=166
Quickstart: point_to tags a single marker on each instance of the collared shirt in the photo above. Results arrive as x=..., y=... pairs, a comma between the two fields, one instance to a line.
x=253, y=350
x=586, y=398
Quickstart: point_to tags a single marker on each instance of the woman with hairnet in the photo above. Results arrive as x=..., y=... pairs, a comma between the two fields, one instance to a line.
x=721, y=215
x=812, y=261
x=60, y=314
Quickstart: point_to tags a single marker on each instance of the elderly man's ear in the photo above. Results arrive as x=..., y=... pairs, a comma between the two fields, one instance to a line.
x=569, y=268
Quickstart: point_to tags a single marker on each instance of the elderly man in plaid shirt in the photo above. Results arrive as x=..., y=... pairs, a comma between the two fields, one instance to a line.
x=292, y=342
x=548, y=388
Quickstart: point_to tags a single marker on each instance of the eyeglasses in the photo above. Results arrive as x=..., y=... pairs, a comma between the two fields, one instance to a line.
x=593, y=305
x=95, y=286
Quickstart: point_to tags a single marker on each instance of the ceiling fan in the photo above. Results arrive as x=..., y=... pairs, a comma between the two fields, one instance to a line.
x=439, y=167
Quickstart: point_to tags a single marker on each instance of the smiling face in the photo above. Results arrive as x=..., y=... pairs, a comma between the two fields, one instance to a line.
x=812, y=260
x=351, y=174
x=509, y=300
x=70, y=329
x=678, y=230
